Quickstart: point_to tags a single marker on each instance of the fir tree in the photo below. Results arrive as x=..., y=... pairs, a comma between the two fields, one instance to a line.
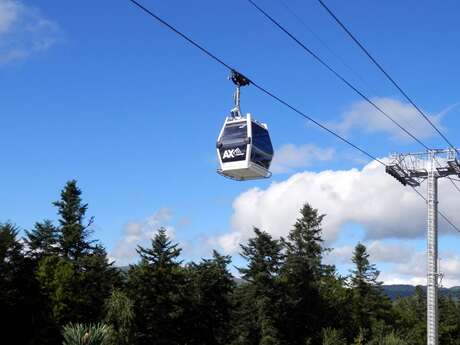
x=42, y=240
x=162, y=254
x=119, y=310
x=157, y=287
x=74, y=274
x=258, y=321
x=211, y=288
x=304, y=244
x=11, y=276
x=264, y=258
x=449, y=323
x=303, y=275
x=73, y=239
x=370, y=305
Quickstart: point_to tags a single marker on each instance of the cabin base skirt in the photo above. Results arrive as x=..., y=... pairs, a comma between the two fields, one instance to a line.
x=250, y=172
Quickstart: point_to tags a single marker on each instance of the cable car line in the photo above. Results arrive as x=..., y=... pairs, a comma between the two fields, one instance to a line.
x=391, y=79
x=379, y=66
x=324, y=44
x=259, y=87
x=439, y=212
x=268, y=93
x=339, y=76
x=333, y=71
x=188, y=39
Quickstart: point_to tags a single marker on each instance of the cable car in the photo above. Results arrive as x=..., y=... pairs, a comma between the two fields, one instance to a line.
x=244, y=148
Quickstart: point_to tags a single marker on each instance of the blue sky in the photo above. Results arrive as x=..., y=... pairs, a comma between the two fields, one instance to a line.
x=99, y=92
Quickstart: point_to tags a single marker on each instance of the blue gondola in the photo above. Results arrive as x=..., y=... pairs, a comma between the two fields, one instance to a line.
x=244, y=148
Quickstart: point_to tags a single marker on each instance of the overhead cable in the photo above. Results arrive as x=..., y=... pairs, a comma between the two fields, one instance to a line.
x=265, y=91
x=379, y=66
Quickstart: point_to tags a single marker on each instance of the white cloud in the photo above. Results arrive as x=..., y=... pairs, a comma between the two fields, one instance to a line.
x=8, y=14
x=289, y=157
x=339, y=255
x=389, y=253
x=23, y=31
x=402, y=263
x=138, y=233
x=364, y=117
x=368, y=197
x=413, y=271
x=378, y=252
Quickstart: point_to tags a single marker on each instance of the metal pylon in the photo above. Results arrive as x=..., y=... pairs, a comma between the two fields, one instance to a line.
x=412, y=169
x=432, y=258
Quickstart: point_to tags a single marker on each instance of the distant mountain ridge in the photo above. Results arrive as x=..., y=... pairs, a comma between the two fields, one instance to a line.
x=392, y=291
x=395, y=291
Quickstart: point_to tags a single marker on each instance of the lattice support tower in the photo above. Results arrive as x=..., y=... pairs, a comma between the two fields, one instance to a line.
x=412, y=169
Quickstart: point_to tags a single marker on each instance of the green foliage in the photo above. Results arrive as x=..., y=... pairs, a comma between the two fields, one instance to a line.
x=120, y=316
x=81, y=334
x=302, y=277
x=57, y=276
x=58, y=281
x=333, y=336
x=10, y=250
x=73, y=233
x=73, y=275
x=210, y=288
x=449, y=327
x=263, y=256
x=369, y=305
x=257, y=317
x=42, y=240
x=389, y=339
x=304, y=243
x=157, y=287
x=410, y=317
x=359, y=339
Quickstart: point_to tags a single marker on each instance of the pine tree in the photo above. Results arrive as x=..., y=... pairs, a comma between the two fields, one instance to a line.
x=410, y=317
x=210, y=292
x=73, y=272
x=364, y=277
x=119, y=316
x=11, y=263
x=60, y=284
x=73, y=239
x=257, y=318
x=22, y=307
x=332, y=336
x=157, y=287
x=162, y=254
x=303, y=277
x=97, y=278
x=304, y=244
x=264, y=258
x=370, y=305
x=449, y=322
x=42, y=240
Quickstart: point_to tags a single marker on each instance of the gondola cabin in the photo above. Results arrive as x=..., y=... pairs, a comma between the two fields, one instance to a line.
x=244, y=149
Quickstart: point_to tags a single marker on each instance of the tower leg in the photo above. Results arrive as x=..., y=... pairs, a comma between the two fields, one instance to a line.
x=432, y=260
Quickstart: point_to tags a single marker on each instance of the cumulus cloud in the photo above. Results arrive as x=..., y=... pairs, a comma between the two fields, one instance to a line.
x=339, y=255
x=389, y=253
x=138, y=233
x=289, y=157
x=23, y=31
x=413, y=271
x=403, y=264
x=368, y=197
x=364, y=117
x=378, y=252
